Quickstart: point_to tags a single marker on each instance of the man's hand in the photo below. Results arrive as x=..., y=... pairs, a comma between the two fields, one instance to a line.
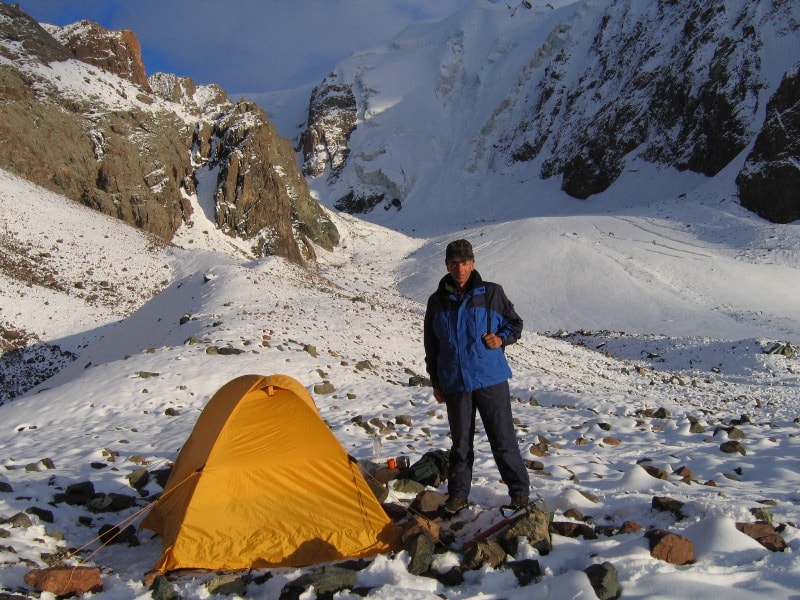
x=492, y=340
x=437, y=393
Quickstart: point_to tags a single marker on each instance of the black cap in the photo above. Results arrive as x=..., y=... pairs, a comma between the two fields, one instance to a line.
x=459, y=250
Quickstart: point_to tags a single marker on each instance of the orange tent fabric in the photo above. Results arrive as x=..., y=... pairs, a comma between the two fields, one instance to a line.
x=262, y=482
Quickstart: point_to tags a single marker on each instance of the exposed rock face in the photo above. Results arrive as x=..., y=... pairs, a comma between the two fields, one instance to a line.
x=129, y=164
x=769, y=183
x=675, y=83
x=331, y=119
x=108, y=137
x=17, y=26
x=261, y=195
x=179, y=90
x=117, y=52
x=656, y=95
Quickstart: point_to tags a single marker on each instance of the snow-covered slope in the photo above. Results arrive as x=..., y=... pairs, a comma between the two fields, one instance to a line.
x=697, y=263
x=442, y=109
x=487, y=115
x=133, y=397
x=661, y=292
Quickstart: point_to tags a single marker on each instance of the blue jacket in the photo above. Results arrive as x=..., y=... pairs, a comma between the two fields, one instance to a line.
x=456, y=357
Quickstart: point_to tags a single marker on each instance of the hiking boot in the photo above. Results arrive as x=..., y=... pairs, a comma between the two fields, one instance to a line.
x=518, y=502
x=453, y=506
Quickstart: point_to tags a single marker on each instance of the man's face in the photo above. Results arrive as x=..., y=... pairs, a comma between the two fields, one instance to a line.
x=460, y=270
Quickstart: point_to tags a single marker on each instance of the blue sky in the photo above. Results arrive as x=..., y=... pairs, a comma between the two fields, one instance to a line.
x=247, y=46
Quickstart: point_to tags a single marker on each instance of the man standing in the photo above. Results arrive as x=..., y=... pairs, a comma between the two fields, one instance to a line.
x=468, y=322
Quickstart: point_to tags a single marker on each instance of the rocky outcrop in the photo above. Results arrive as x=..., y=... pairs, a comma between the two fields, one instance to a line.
x=655, y=95
x=133, y=147
x=769, y=183
x=20, y=29
x=331, y=118
x=129, y=164
x=260, y=195
x=117, y=52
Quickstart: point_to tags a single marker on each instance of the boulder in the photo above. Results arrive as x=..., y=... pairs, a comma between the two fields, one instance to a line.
x=534, y=526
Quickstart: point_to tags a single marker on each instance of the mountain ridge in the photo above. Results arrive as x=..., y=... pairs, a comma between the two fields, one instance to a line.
x=584, y=90
x=138, y=155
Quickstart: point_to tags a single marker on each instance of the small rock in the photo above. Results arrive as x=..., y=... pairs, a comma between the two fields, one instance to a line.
x=485, y=552
x=230, y=584
x=41, y=513
x=670, y=547
x=764, y=534
x=78, y=494
x=418, y=381
x=427, y=503
x=65, y=581
x=534, y=526
x=450, y=578
x=573, y=530
x=420, y=548
x=665, y=504
x=326, y=581
x=534, y=465
x=139, y=478
x=404, y=420
x=19, y=520
x=326, y=387
x=229, y=351
x=762, y=514
x=111, y=534
x=732, y=446
x=605, y=580
x=655, y=472
x=629, y=527
x=526, y=571
x=160, y=588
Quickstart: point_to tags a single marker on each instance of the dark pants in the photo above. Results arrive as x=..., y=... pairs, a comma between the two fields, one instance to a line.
x=494, y=406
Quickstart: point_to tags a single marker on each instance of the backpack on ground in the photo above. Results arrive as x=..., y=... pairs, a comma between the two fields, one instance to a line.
x=430, y=469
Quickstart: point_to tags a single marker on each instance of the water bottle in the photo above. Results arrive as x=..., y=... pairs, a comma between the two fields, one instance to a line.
x=376, y=447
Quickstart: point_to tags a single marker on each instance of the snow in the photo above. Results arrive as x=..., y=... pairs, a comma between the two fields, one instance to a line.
x=107, y=407
x=662, y=292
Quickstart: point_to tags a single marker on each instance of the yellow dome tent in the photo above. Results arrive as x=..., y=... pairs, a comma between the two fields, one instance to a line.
x=262, y=482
